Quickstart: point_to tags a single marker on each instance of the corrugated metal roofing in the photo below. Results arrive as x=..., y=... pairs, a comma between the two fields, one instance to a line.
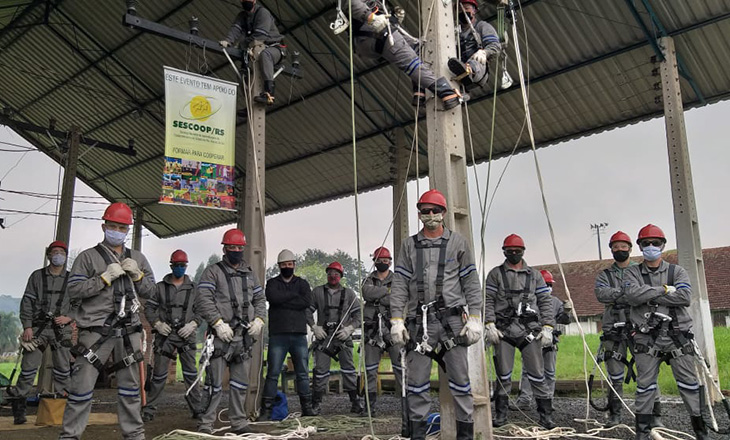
x=589, y=65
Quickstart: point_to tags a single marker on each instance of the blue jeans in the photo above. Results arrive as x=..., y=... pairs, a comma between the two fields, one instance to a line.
x=279, y=345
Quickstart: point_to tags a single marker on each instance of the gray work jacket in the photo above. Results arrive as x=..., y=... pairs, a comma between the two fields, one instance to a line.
x=213, y=301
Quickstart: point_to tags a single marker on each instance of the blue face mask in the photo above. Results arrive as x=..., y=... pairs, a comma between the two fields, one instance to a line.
x=178, y=271
x=114, y=238
x=652, y=253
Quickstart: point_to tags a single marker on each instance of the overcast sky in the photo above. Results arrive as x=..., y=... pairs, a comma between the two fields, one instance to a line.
x=619, y=177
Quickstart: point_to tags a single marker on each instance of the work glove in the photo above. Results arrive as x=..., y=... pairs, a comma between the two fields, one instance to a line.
x=669, y=289
x=113, y=271
x=188, y=329
x=480, y=56
x=378, y=22
x=398, y=333
x=223, y=330
x=568, y=306
x=224, y=43
x=492, y=334
x=319, y=332
x=546, y=336
x=130, y=266
x=255, y=327
x=163, y=328
x=472, y=330
x=29, y=346
x=344, y=333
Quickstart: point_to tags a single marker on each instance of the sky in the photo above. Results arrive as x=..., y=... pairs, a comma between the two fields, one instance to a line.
x=619, y=177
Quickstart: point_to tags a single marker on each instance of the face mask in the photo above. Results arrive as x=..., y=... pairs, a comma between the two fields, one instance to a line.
x=652, y=253
x=178, y=271
x=382, y=267
x=464, y=18
x=621, y=256
x=286, y=272
x=114, y=238
x=333, y=279
x=58, y=259
x=234, y=257
x=247, y=6
x=513, y=258
x=432, y=221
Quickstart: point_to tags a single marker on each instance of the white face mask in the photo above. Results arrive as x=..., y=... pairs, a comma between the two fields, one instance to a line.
x=432, y=221
x=651, y=253
x=114, y=238
x=58, y=260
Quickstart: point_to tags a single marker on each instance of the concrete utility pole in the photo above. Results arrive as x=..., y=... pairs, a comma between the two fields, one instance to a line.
x=137, y=230
x=599, y=227
x=447, y=173
x=400, y=206
x=686, y=223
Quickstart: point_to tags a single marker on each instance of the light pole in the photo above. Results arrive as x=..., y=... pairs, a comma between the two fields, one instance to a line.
x=599, y=227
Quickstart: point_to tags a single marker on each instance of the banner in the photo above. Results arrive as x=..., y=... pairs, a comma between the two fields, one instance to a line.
x=200, y=141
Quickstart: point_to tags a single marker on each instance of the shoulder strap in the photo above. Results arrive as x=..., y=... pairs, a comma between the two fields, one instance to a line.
x=104, y=254
x=440, y=272
x=231, y=291
x=610, y=278
x=670, y=275
x=62, y=294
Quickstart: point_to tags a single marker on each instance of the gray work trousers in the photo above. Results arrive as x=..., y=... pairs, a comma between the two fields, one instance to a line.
x=32, y=360
x=418, y=373
x=81, y=388
x=399, y=54
x=532, y=365
x=549, y=357
x=270, y=57
x=159, y=376
x=238, y=382
x=647, y=371
x=372, y=362
x=322, y=363
x=479, y=73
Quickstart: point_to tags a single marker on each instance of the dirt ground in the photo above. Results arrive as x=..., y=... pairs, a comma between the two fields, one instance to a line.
x=173, y=414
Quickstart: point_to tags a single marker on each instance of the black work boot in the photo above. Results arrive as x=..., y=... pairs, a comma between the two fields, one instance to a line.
x=356, y=407
x=449, y=97
x=501, y=405
x=464, y=430
x=18, y=407
x=614, y=411
x=267, y=96
x=656, y=415
x=545, y=410
x=317, y=402
x=461, y=71
x=418, y=430
x=305, y=401
x=267, y=407
x=372, y=398
x=700, y=428
x=643, y=426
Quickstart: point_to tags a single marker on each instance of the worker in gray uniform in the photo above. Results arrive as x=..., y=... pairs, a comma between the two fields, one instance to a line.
x=561, y=312
x=44, y=311
x=108, y=281
x=170, y=312
x=436, y=288
x=519, y=315
x=376, y=316
x=257, y=27
x=232, y=302
x=375, y=36
x=338, y=315
x=660, y=294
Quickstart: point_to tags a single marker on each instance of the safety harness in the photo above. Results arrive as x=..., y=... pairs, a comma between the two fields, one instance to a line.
x=239, y=322
x=118, y=324
x=612, y=340
x=523, y=313
x=374, y=335
x=45, y=316
x=163, y=345
x=330, y=349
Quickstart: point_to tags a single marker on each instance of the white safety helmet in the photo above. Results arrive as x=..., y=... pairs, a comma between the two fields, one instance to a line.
x=286, y=255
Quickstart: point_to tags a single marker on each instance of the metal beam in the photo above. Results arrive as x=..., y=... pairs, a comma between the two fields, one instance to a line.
x=17, y=19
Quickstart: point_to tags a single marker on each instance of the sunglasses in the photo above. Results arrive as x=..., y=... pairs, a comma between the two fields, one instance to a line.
x=655, y=243
x=434, y=210
x=513, y=251
x=179, y=265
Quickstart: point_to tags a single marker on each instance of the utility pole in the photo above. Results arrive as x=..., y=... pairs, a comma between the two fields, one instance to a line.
x=137, y=229
x=401, y=157
x=599, y=227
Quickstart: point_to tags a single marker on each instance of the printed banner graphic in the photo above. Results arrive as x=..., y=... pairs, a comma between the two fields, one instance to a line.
x=200, y=141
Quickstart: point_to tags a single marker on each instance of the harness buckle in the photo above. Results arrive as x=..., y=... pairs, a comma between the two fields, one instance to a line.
x=91, y=357
x=677, y=352
x=128, y=360
x=135, y=305
x=653, y=351
x=621, y=324
x=449, y=344
x=530, y=337
x=617, y=356
x=117, y=332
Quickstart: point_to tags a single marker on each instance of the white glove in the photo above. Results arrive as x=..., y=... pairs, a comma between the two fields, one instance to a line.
x=163, y=328
x=130, y=266
x=472, y=329
x=546, y=336
x=344, y=333
x=378, y=22
x=568, y=306
x=113, y=271
x=398, y=333
x=492, y=334
x=669, y=289
x=224, y=43
x=255, y=327
x=223, y=330
x=188, y=329
x=30, y=345
x=319, y=332
x=480, y=56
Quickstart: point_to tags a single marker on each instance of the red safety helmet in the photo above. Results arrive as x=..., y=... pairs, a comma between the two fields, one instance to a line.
x=651, y=231
x=336, y=266
x=234, y=237
x=118, y=213
x=381, y=252
x=547, y=276
x=432, y=196
x=179, y=256
x=58, y=244
x=471, y=2
x=620, y=236
x=513, y=240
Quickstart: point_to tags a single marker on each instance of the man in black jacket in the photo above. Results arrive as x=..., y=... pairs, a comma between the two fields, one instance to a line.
x=289, y=298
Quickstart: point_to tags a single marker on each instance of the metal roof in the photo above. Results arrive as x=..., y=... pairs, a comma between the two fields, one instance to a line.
x=589, y=61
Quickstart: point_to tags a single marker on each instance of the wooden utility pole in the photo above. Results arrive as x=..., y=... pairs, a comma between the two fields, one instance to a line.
x=686, y=223
x=400, y=206
x=447, y=173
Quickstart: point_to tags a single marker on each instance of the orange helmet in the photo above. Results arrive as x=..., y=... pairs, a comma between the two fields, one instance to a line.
x=118, y=213
x=336, y=266
x=381, y=252
x=619, y=236
x=513, y=240
x=547, y=276
x=179, y=256
x=651, y=231
x=234, y=237
x=434, y=197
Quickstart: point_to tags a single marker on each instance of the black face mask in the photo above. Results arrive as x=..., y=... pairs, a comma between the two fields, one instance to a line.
x=621, y=256
x=513, y=258
x=286, y=272
x=464, y=18
x=247, y=6
x=382, y=267
x=234, y=257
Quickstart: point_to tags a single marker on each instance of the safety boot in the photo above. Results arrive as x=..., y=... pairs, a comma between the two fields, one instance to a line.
x=643, y=426
x=449, y=97
x=317, y=402
x=267, y=96
x=614, y=411
x=267, y=407
x=700, y=428
x=356, y=407
x=545, y=410
x=18, y=406
x=305, y=401
x=462, y=71
x=242, y=430
x=372, y=397
x=500, y=411
x=464, y=430
x=656, y=415
x=418, y=430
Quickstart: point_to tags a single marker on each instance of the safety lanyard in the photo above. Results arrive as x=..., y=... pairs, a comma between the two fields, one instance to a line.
x=122, y=286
